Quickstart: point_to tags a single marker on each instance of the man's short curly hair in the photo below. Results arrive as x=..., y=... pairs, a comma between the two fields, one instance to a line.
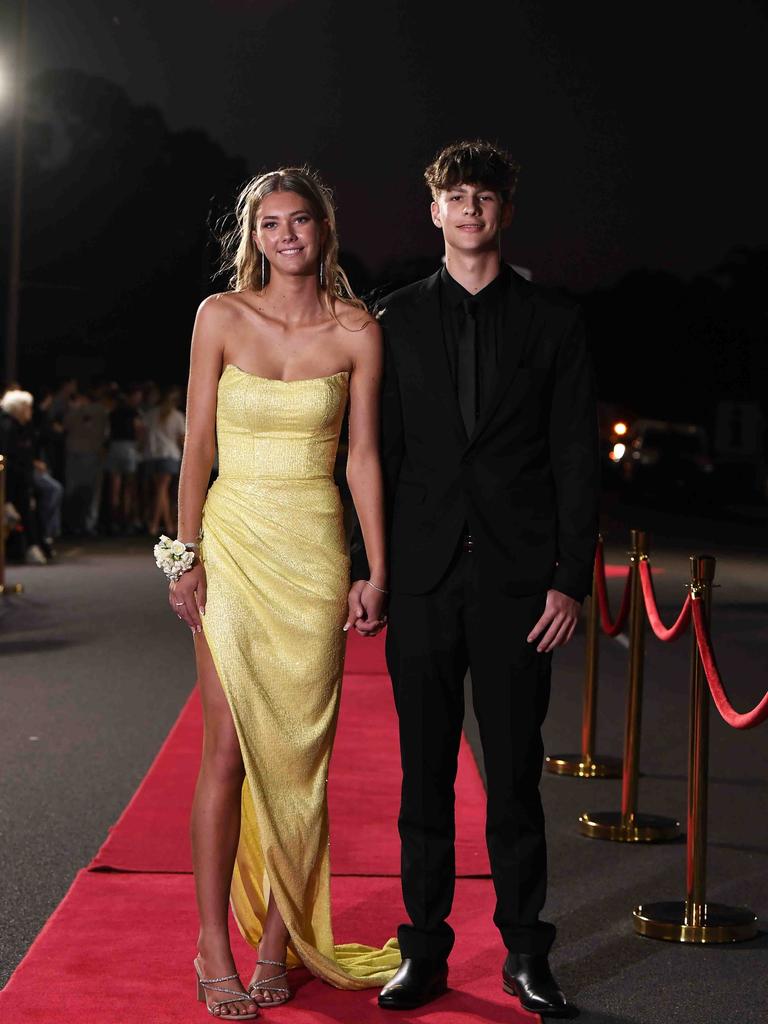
x=473, y=163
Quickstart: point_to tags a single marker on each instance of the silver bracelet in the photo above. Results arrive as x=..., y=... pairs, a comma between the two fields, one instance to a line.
x=373, y=585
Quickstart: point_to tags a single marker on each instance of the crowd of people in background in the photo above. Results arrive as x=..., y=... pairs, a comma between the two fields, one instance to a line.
x=90, y=461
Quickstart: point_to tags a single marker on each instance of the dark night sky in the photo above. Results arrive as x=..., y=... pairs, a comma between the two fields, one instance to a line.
x=639, y=126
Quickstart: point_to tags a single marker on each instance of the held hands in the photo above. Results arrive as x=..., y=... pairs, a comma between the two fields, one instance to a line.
x=366, y=609
x=557, y=622
x=187, y=596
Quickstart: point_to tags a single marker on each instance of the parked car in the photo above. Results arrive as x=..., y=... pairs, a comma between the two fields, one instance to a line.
x=659, y=457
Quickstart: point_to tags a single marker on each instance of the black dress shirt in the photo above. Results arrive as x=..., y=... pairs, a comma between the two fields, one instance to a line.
x=489, y=306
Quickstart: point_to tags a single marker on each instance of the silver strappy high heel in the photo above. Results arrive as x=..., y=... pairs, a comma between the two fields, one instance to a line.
x=268, y=985
x=214, y=985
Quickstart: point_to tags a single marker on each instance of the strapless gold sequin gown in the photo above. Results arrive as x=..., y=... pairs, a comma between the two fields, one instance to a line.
x=277, y=574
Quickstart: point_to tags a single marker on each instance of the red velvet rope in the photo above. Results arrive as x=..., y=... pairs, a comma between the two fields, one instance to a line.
x=662, y=632
x=724, y=706
x=609, y=628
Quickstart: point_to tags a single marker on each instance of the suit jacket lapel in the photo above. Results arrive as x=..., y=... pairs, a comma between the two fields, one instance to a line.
x=518, y=323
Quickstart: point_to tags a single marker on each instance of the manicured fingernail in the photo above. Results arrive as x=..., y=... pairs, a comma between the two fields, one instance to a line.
x=345, y=628
x=202, y=610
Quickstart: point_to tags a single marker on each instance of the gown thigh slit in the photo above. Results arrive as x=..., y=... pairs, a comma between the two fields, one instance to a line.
x=277, y=572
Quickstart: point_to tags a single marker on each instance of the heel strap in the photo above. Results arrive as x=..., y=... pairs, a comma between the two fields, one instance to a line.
x=271, y=963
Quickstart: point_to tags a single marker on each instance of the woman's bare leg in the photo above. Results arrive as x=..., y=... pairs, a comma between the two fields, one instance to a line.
x=215, y=827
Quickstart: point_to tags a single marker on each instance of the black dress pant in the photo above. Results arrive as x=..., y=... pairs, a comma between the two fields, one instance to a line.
x=431, y=641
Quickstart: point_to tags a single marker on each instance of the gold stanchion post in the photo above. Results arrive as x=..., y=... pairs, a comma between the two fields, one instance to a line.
x=693, y=919
x=627, y=825
x=5, y=588
x=588, y=765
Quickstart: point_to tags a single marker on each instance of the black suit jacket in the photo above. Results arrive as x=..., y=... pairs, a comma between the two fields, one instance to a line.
x=525, y=483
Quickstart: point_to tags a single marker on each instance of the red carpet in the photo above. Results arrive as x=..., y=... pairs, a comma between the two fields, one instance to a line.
x=95, y=959
x=365, y=655
x=120, y=945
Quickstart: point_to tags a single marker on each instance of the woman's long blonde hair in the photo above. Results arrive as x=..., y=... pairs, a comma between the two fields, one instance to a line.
x=242, y=257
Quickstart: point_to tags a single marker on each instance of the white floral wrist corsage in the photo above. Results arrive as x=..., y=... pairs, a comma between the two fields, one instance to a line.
x=173, y=557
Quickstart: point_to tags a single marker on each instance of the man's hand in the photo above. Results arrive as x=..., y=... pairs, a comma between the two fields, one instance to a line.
x=366, y=609
x=557, y=623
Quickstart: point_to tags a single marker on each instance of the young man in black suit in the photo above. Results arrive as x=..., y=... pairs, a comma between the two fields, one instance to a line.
x=490, y=456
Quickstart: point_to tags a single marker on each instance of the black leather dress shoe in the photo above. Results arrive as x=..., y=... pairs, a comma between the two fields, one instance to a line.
x=527, y=976
x=416, y=982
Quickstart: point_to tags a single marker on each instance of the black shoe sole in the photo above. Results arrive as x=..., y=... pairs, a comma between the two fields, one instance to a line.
x=566, y=1011
x=411, y=1005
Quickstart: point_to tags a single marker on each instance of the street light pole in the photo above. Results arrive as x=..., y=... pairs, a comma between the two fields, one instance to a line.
x=14, y=270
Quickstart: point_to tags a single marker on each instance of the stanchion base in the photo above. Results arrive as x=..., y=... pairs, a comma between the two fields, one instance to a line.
x=721, y=924
x=642, y=828
x=11, y=588
x=574, y=764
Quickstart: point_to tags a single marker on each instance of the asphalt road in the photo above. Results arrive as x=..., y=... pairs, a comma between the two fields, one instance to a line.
x=93, y=671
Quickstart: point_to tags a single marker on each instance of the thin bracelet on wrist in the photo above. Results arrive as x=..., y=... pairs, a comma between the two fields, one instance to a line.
x=373, y=585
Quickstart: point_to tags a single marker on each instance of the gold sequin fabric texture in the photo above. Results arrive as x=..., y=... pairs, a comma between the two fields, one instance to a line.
x=277, y=574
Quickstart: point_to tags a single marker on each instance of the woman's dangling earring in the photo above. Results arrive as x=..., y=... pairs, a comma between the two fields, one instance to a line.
x=263, y=270
x=322, y=271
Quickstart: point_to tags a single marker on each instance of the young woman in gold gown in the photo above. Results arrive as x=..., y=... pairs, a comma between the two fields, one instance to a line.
x=274, y=363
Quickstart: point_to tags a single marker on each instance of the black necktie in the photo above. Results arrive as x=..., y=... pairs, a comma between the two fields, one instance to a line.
x=466, y=366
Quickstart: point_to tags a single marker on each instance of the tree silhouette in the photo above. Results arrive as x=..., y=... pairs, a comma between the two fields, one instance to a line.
x=672, y=349
x=116, y=212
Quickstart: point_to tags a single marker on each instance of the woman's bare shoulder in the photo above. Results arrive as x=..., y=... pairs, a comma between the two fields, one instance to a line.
x=216, y=320
x=222, y=307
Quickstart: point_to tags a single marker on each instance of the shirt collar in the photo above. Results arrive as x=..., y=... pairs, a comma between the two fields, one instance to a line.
x=486, y=298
